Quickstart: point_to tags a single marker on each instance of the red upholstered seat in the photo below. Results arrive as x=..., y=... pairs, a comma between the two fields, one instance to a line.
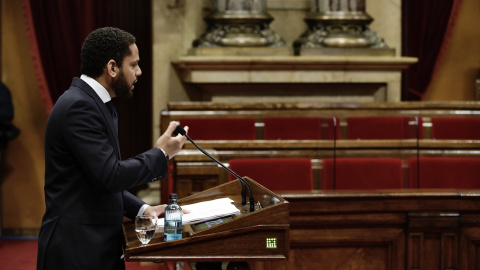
x=456, y=128
x=377, y=128
x=362, y=173
x=276, y=174
x=299, y=128
x=445, y=172
x=220, y=128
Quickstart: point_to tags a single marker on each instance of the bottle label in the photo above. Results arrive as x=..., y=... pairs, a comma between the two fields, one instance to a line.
x=171, y=237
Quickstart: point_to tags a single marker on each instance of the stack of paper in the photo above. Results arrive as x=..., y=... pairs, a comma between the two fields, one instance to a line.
x=206, y=210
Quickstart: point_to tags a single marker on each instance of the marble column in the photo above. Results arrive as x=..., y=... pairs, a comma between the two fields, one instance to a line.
x=340, y=24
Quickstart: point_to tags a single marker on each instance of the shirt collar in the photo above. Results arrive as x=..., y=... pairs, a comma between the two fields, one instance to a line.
x=97, y=87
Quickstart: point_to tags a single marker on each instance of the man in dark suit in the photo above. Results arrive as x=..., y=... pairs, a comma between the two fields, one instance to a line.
x=85, y=178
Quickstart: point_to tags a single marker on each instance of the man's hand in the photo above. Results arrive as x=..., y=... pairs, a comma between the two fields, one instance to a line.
x=156, y=210
x=159, y=210
x=171, y=145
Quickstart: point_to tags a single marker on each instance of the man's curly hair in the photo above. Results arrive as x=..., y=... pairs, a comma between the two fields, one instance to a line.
x=103, y=45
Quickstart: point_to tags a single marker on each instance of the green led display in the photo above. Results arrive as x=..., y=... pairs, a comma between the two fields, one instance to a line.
x=271, y=242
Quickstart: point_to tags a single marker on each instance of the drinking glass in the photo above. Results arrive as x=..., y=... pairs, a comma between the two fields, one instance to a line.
x=145, y=228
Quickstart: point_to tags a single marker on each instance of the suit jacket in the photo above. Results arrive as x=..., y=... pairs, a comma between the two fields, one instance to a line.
x=85, y=183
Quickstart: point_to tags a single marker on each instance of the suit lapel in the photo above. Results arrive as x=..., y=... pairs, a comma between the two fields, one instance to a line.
x=77, y=82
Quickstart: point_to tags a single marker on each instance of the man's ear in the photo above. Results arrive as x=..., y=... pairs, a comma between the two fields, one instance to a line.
x=112, y=68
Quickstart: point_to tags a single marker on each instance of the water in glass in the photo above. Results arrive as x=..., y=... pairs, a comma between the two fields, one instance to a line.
x=145, y=228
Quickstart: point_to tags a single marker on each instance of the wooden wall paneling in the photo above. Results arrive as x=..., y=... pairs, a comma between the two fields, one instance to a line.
x=469, y=247
x=433, y=236
x=449, y=253
x=415, y=244
x=368, y=242
x=405, y=230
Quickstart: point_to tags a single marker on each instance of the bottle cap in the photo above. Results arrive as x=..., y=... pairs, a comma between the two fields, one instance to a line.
x=173, y=196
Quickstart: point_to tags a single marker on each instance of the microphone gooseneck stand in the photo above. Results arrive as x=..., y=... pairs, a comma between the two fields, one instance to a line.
x=243, y=182
x=418, y=151
x=334, y=152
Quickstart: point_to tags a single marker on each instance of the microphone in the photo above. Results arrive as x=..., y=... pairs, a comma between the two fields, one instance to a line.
x=179, y=130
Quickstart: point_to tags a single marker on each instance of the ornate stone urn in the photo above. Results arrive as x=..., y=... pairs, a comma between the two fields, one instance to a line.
x=239, y=23
x=339, y=24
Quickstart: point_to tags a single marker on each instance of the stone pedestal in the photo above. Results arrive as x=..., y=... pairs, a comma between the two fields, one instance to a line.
x=292, y=78
x=340, y=27
x=238, y=23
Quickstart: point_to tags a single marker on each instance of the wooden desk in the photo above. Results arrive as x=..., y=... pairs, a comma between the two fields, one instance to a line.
x=405, y=229
x=194, y=172
x=249, y=237
x=258, y=111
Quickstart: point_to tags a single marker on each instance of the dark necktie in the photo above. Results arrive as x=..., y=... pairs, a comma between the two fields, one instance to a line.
x=113, y=112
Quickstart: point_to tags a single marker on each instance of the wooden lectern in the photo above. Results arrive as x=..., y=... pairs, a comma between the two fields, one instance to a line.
x=262, y=235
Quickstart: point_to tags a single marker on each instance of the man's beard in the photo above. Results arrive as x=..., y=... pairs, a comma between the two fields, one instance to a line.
x=121, y=86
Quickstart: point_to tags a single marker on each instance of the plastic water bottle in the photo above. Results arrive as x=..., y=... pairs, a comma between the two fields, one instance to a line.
x=173, y=220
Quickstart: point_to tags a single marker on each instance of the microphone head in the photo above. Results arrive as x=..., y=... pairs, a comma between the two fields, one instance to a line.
x=179, y=130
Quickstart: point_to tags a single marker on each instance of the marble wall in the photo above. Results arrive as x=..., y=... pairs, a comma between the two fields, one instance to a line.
x=177, y=23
